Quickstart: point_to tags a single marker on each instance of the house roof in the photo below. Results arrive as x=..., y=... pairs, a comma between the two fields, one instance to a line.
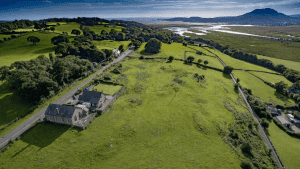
x=90, y=96
x=63, y=111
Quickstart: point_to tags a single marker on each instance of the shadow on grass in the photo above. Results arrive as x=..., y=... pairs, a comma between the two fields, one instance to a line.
x=45, y=50
x=44, y=133
x=227, y=76
x=11, y=105
x=281, y=97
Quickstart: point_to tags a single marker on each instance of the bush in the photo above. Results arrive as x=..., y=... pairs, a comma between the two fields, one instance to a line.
x=108, y=76
x=184, y=44
x=264, y=123
x=141, y=58
x=228, y=69
x=246, y=148
x=190, y=59
x=171, y=58
x=237, y=80
x=205, y=62
x=246, y=164
x=236, y=86
x=199, y=60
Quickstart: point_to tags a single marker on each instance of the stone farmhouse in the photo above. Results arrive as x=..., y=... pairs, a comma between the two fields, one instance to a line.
x=70, y=115
x=96, y=99
x=116, y=52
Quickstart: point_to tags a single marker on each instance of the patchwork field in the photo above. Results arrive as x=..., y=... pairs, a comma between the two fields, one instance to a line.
x=285, y=50
x=107, y=89
x=68, y=28
x=286, y=63
x=19, y=49
x=54, y=23
x=98, y=28
x=286, y=146
x=109, y=44
x=177, y=50
x=157, y=123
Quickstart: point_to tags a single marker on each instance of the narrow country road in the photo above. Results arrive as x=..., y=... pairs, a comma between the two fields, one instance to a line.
x=255, y=117
x=16, y=132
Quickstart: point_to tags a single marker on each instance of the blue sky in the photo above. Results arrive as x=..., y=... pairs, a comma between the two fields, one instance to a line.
x=40, y=9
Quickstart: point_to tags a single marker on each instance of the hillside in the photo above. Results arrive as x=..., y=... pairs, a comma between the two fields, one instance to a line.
x=255, y=17
x=165, y=118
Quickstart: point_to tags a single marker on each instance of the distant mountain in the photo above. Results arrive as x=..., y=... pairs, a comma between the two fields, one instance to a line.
x=265, y=16
x=295, y=16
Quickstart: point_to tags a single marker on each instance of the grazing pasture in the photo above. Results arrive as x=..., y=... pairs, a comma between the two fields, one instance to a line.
x=98, y=28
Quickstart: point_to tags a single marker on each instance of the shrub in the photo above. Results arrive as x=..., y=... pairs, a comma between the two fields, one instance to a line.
x=199, y=60
x=246, y=148
x=190, y=59
x=13, y=36
x=236, y=86
x=205, y=62
x=228, y=69
x=142, y=57
x=184, y=44
x=246, y=164
x=108, y=76
x=264, y=123
x=237, y=80
x=171, y=58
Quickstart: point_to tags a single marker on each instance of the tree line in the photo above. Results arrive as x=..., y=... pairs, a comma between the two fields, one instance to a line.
x=43, y=77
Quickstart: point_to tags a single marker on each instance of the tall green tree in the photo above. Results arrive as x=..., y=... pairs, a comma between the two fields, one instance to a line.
x=33, y=39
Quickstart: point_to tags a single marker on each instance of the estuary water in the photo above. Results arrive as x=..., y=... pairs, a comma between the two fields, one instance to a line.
x=209, y=29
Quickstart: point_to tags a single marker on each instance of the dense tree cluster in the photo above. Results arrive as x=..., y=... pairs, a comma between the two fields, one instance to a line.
x=153, y=46
x=40, y=78
x=82, y=46
x=82, y=20
x=9, y=26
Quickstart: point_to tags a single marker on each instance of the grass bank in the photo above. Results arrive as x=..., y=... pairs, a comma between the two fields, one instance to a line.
x=107, y=89
x=286, y=146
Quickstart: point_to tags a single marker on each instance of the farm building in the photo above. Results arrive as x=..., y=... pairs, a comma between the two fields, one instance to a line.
x=116, y=52
x=65, y=114
x=94, y=98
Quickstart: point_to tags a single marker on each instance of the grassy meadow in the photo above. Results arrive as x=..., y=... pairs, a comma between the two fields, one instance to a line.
x=286, y=146
x=25, y=30
x=2, y=36
x=68, y=28
x=177, y=50
x=262, y=46
x=286, y=63
x=107, y=89
x=158, y=123
x=54, y=23
x=19, y=49
x=98, y=28
x=110, y=44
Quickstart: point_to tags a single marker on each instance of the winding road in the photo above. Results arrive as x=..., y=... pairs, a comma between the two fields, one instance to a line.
x=16, y=132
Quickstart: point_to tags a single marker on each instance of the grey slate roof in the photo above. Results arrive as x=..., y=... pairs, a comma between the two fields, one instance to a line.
x=64, y=111
x=90, y=96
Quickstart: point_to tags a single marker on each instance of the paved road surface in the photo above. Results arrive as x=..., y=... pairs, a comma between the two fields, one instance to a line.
x=16, y=132
x=261, y=129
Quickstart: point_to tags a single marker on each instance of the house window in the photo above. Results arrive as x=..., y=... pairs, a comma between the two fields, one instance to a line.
x=75, y=118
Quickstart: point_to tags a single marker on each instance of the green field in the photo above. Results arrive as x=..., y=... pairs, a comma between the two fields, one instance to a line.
x=286, y=63
x=107, y=89
x=54, y=23
x=19, y=49
x=286, y=146
x=68, y=28
x=25, y=30
x=98, y=28
x=110, y=44
x=272, y=78
x=177, y=50
x=262, y=46
x=2, y=36
x=161, y=132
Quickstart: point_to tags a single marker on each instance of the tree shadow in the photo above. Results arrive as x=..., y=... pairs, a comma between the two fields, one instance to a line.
x=227, y=76
x=44, y=133
x=281, y=96
x=45, y=50
x=11, y=105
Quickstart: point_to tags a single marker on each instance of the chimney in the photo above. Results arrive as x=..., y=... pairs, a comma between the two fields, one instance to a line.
x=57, y=111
